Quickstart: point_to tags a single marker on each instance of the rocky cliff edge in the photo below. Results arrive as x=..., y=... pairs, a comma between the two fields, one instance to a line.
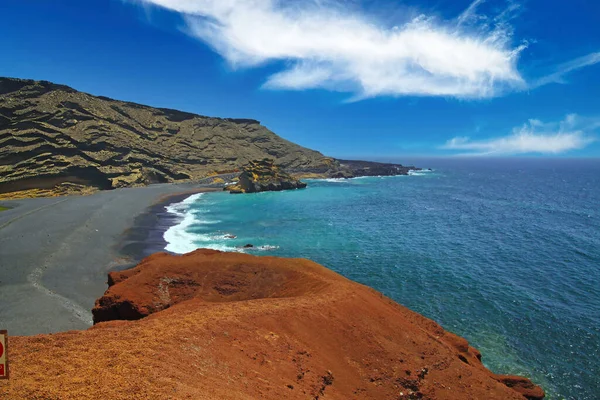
x=212, y=325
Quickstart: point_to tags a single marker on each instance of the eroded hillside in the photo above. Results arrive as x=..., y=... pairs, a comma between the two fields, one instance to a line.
x=55, y=138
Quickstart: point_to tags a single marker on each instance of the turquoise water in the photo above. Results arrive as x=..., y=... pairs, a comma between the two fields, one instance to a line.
x=503, y=252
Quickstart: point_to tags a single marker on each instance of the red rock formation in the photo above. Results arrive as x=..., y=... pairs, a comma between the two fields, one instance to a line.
x=521, y=385
x=235, y=326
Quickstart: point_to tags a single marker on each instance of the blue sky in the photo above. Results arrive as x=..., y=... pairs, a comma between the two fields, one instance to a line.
x=351, y=79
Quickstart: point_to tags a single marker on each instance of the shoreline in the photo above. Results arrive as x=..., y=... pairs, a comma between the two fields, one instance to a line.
x=55, y=253
x=146, y=236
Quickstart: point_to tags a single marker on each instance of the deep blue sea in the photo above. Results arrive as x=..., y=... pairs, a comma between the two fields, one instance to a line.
x=504, y=252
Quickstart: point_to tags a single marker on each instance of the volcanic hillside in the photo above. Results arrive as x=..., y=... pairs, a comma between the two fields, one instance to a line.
x=52, y=135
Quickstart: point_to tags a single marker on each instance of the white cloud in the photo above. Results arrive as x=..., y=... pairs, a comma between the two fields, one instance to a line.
x=331, y=45
x=470, y=13
x=535, y=136
x=564, y=69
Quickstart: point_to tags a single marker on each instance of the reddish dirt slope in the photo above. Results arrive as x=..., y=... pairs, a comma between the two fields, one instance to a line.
x=235, y=326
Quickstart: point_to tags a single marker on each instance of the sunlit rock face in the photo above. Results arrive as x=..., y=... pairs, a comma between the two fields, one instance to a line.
x=262, y=176
x=59, y=140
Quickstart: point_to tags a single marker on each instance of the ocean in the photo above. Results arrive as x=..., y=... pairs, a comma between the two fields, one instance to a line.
x=504, y=252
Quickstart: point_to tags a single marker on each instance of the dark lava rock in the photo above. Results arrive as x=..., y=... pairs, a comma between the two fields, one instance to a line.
x=354, y=168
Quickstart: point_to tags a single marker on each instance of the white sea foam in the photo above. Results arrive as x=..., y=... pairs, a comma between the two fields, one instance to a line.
x=178, y=239
x=241, y=249
x=267, y=247
x=356, y=178
x=344, y=180
x=180, y=208
x=333, y=180
x=419, y=173
x=222, y=247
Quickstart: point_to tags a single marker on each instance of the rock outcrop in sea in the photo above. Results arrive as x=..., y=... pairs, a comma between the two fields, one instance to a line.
x=213, y=325
x=262, y=176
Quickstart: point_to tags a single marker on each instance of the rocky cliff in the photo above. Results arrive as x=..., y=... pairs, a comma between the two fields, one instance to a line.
x=353, y=168
x=264, y=175
x=336, y=168
x=212, y=325
x=57, y=139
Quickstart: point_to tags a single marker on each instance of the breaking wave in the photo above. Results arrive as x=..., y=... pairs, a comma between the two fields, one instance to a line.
x=181, y=237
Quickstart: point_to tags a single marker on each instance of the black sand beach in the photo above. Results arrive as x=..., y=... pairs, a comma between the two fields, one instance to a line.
x=55, y=252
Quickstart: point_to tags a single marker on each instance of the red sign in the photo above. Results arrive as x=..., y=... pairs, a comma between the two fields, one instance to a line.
x=3, y=355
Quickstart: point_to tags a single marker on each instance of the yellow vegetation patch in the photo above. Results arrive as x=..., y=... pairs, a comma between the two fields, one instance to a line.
x=28, y=194
x=61, y=190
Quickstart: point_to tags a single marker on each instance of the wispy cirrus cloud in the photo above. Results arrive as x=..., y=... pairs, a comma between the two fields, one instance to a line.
x=572, y=133
x=329, y=44
x=566, y=68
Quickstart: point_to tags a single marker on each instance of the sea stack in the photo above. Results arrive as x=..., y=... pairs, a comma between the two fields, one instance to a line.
x=263, y=175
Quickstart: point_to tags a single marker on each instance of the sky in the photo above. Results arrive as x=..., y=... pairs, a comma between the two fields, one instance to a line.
x=356, y=79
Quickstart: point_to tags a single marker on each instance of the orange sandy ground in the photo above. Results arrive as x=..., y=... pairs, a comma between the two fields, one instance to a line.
x=252, y=328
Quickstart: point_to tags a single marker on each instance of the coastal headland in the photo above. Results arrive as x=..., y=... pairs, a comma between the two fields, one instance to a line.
x=213, y=325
